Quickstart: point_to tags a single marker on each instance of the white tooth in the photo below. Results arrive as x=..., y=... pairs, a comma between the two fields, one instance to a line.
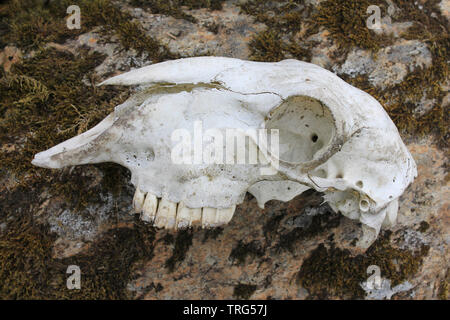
x=196, y=217
x=183, y=216
x=166, y=214
x=209, y=217
x=138, y=200
x=149, y=208
x=224, y=215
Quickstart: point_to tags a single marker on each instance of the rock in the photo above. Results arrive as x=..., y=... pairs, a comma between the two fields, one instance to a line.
x=260, y=254
x=220, y=33
x=9, y=56
x=391, y=64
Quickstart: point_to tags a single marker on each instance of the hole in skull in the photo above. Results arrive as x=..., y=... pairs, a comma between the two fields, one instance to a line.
x=364, y=205
x=359, y=184
x=306, y=128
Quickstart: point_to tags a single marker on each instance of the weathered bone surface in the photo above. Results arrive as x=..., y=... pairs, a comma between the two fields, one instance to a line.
x=333, y=138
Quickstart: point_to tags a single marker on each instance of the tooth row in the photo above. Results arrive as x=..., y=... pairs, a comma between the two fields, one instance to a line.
x=163, y=213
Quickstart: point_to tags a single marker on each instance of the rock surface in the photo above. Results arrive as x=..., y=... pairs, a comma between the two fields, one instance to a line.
x=262, y=253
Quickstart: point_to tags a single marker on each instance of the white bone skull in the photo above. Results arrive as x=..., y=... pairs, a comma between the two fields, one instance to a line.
x=333, y=138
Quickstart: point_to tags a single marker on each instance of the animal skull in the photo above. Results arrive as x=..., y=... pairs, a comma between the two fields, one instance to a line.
x=333, y=138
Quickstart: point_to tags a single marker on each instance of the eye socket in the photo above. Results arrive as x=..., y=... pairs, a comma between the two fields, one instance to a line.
x=306, y=128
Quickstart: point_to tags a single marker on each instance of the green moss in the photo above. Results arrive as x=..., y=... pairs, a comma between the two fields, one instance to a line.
x=243, y=291
x=243, y=250
x=346, y=22
x=25, y=250
x=32, y=23
x=401, y=100
x=424, y=226
x=28, y=270
x=288, y=25
x=330, y=271
x=319, y=224
x=267, y=46
x=175, y=8
x=443, y=289
x=212, y=234
x=183, y=242
x=108, y=266
x=272, y=224
x=291, y=22
x=43, y=102
x=280, y=15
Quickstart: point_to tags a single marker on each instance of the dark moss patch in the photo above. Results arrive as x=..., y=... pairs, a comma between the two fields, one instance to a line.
x=243, y=291
x=25, y=250
x=346, y=21
x=152, y=287
x=110, y=263
x=428, y=20
x=212, y=234
x=268, y=46
x=175, y=8
x=243, y=250
x=320, y=223
x=282, y=16
x=28, y=270
x=32, y=23
x=43, y=102
x=272, y=224
x=330, y=271
x=443, y=288
x=183, y=242
x=401, y=100
x=288, y=25
x=424, y=226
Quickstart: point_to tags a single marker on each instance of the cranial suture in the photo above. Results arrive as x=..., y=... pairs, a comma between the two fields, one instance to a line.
x=333, y=138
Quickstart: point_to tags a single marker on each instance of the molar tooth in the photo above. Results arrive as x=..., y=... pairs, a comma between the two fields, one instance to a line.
x=183, y=219
x=166, y=214
x=138, y=200
x=149, y=208
x=209, y=219
x=224, y=216
x=186, y=217
x=196, y=217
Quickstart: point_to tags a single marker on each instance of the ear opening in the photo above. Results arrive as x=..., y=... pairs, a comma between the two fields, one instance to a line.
x=306, y=129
